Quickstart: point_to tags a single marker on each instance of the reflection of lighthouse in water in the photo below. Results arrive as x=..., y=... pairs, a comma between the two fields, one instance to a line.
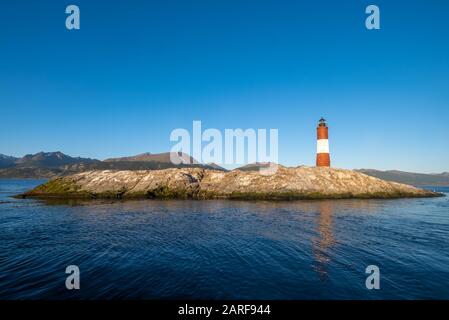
x=322, y=146
x=325, y=239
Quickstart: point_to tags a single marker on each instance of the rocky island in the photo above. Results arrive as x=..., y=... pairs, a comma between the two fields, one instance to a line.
x=199, y=183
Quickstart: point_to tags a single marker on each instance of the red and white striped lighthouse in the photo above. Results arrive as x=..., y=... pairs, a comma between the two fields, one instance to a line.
x=323, y=158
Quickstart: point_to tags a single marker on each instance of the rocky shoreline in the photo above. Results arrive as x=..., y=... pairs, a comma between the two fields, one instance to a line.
x=197, y=183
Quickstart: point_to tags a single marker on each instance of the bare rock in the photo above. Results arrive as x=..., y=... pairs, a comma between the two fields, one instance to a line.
x=197, y=183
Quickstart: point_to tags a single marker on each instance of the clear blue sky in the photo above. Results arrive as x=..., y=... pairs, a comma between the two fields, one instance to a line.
x=139, y=69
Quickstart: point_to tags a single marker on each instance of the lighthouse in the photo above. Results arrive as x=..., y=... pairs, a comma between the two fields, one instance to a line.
x=323, y=158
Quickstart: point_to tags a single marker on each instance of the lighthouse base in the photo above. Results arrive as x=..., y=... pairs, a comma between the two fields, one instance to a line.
x=323, y=160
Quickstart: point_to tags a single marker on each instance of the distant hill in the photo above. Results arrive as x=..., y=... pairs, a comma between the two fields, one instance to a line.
x=416, y=179
x=256, y=166
x=30, y=173
x=216, y=166
x=156, y=157
x=7, y=161
x=50, y=160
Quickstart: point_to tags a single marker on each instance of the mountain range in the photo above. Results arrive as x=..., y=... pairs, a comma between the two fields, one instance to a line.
x=52, y=164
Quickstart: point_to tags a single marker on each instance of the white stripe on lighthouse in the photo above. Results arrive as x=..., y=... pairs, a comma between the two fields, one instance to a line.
x=322, y=146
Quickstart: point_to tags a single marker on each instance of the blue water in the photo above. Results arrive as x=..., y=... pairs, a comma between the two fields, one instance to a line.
x=223, y=249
